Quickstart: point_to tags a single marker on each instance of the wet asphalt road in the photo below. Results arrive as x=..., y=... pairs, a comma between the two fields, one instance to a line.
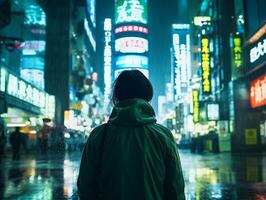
x=207, y=176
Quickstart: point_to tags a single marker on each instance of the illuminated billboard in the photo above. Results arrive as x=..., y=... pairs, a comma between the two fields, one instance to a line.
x=131, y=61
x=107, y=58
x=130, y=11
x=258, y=92
x=181, y=57
x=32, y=62
x=205, y=64
x=33, y=47
x=202, y=20
x=237, y=55
x=16, y=87
x=257, y=53
x=195, y=97
x=131, y=45
x=237, y=50
x=213, y=111
x=255, y=50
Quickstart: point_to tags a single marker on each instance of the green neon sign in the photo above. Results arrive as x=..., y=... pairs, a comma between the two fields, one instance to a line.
x=131, y=11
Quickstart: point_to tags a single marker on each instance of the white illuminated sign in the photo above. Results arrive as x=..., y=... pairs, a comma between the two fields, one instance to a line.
x=24, y=91
x=35, y=45
x=181, y=55
x=258, y=51
x=48, y=102
x=107, y=58
x=213, y=111
x=19, y=88
x=202, y=20
x=180, y=26
x=89, y=33
x=3, y=80
x=131, y=45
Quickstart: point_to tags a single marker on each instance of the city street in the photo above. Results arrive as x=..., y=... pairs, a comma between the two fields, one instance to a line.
x=207, y=176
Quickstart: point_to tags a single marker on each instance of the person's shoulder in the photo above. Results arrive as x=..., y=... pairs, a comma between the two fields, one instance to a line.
x=165, y=132
x=96, y=132
x=163, y=129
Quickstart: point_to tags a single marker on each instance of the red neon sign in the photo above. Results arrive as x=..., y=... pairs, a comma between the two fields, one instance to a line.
x=258, y=92
x=131, y=28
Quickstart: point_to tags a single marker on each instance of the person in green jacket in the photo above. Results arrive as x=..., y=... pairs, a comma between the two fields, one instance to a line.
x=131, y=157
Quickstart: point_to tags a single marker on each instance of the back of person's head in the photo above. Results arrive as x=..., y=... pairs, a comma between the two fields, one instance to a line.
x=17, y=129
x=131, y=84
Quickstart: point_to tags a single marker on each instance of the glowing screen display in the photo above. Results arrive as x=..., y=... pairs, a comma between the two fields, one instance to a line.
x=131, y=61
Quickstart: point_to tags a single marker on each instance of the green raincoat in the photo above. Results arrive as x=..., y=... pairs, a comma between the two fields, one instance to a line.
x=139, y=161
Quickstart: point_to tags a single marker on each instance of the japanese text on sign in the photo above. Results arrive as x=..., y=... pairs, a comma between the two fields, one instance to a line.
x=237, y=52
x=258, y=92
x=107, y=57
x=131, y=11
x=258, y=51
x=205, y=65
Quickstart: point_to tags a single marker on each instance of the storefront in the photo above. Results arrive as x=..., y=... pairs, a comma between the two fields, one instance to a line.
x=23, y=105
x=250, y=96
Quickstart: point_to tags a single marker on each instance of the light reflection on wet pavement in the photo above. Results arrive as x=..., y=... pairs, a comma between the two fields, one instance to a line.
x=207, y=176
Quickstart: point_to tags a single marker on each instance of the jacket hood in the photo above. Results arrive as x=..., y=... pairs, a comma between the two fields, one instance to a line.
x=132, y=112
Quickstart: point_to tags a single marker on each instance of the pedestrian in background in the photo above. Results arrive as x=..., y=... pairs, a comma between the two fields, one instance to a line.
x=15, y=141
x=131, y=157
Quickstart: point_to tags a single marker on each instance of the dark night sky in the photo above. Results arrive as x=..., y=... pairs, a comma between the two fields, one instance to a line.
x=162, y=14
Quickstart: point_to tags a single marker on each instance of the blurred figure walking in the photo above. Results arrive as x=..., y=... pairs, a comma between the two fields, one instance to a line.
x=15, y=141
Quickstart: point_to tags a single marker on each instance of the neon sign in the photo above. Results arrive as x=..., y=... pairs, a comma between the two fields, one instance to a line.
x=181, y=57
x=131, y=45
x=258, y=51
x=237, y=52
x=89, y=34
x=3, y=75
x=131, y=28
x=202, y=20
x=107, y=57
x=131, y=11
x=26, y=92
x=195, y=96
x=205, y=65
x=258, y=92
